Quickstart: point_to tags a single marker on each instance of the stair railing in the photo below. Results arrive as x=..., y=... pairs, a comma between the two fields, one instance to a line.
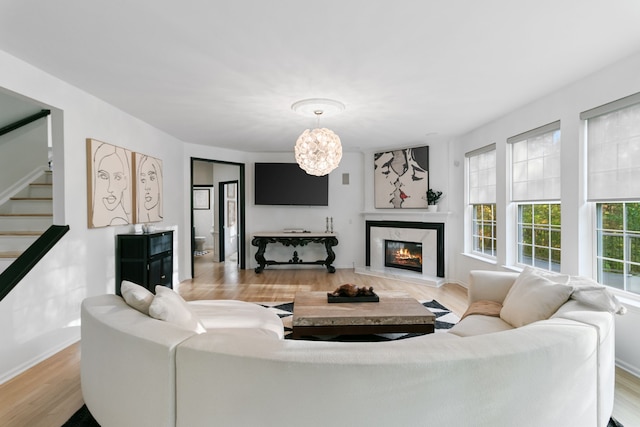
x=23, y=122
x=15, y=272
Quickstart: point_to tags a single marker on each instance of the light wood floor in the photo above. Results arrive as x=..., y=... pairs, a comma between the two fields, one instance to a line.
x=49, y=393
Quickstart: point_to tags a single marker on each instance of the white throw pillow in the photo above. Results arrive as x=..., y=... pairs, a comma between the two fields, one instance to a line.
x=589, y=292
x=533, y=296
x=136, y=296
x=171, y=307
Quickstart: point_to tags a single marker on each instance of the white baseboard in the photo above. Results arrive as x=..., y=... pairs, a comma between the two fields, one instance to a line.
x=633, y=370
x=6, y=376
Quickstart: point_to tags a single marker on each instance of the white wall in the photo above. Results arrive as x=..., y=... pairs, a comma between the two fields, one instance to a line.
x=42, y=314
x=22, y=152
x=345, y=206
x=613, y=82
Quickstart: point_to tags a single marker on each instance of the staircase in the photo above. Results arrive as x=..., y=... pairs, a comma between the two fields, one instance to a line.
x=24, y=217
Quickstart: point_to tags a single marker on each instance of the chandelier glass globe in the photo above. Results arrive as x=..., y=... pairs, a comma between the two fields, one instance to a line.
x=318, y=151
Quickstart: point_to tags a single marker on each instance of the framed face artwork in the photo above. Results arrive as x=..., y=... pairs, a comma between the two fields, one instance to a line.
x=109, y=184
x=401, y=178
x=148, y=188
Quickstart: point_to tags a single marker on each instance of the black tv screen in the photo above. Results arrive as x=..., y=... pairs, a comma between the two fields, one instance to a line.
x=287, y=184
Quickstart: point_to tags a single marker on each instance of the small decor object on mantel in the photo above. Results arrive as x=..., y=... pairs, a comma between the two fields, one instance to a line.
x=352, y=293
x=432, y=199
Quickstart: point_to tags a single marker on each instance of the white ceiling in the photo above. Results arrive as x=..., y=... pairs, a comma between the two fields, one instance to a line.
x=225, y=73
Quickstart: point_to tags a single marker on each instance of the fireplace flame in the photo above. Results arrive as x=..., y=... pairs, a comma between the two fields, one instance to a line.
x=403, y=255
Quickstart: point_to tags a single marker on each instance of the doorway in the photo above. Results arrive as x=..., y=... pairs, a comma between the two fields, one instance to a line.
x=217, y=213
x=228, y=240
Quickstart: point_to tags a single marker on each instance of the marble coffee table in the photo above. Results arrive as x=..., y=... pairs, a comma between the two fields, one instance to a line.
x=395, y=312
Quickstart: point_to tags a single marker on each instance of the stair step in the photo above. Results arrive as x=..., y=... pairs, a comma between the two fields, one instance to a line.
x=20, y=233
x=37, y=190
x=5, y=262
x=17, y=242
x=10, y=254
x=26, y=222
x=45, y=178
x=27, y=205
x=25, y=214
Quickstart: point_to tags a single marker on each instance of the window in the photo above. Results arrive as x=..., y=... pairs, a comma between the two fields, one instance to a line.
x=618, y=249
x=613, y=168
x=539, y=235
x=481, y=176
x=484, y=229
x=535, y=188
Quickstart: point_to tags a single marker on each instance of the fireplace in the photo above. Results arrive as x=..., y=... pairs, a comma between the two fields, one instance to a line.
x=402, y=254
x=430, y=234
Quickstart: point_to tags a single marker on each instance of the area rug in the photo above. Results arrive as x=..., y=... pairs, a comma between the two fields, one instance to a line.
x=445, y=320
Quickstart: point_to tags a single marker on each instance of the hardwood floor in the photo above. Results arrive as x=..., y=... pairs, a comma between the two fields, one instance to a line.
x=49, y=393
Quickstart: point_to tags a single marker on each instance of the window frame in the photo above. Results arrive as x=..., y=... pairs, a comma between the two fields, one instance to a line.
x=549, y=227
x=626, y=236
x=474, y=240
x=517, y=244
x=478, y=239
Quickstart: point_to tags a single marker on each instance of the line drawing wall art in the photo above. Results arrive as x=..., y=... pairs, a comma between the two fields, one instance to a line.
x=401, y=178
x=109, y=184
x=148, y=188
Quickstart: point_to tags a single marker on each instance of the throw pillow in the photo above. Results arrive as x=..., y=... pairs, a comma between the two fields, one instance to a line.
x=136, y=296
x=589, y=292
x=483, y=307
x=172, y=308
x=533, y=297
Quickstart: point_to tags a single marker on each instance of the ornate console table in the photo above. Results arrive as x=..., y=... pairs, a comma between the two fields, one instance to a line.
x=261, y=240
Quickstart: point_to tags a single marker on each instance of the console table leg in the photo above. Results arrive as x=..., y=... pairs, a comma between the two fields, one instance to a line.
x=262, y=246
x=331, y=256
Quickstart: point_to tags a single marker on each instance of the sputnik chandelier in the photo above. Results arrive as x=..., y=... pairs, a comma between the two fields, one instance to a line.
x=318, y=151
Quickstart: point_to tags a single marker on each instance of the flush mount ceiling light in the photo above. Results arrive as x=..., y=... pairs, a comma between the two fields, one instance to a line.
x=318, y=151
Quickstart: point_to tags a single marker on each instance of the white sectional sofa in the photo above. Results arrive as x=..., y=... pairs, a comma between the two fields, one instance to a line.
x=140, y=371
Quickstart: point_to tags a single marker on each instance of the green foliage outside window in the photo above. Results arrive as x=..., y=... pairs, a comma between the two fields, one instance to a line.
x=484, y=229
x=618, y=236
x=539, y=235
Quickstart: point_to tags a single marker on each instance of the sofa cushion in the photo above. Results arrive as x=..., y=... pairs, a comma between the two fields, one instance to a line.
x=136, y=296
x=593, y=294
x=484, y=307
x=535, y=295
x=171, y=307
x=221, y=314
x=478, y=324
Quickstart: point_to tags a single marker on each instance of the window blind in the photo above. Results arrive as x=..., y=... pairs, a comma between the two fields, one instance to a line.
x=613, y=151
x=481, y=166
x=535, y=167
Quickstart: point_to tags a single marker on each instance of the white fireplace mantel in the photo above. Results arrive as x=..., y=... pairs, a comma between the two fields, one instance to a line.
x=406, y=215
x=411, y=226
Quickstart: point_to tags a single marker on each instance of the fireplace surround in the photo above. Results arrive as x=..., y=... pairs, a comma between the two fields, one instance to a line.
x=408, y=227
x=403, y=254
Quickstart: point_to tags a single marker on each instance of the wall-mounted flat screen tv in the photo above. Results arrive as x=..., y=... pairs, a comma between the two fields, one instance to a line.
x=287, y=184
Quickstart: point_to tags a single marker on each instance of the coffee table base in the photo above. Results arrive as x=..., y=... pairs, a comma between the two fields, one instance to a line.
x=302, y=331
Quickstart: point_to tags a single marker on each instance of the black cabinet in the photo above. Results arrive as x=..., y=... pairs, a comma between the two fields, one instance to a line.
x=145, y=259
